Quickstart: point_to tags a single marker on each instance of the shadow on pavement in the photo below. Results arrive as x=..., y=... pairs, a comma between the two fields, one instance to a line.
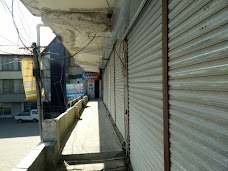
x=9, y=128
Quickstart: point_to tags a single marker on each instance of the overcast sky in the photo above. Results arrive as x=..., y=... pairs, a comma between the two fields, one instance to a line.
x=26, y=24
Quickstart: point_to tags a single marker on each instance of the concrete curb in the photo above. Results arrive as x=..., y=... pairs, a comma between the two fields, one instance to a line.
x=35, y=160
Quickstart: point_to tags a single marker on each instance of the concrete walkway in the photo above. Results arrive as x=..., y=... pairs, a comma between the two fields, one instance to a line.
x=93, y=142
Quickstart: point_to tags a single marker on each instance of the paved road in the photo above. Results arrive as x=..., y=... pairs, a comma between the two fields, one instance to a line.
x=16, y=141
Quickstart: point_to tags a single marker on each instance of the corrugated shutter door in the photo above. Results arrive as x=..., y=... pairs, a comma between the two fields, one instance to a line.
x=198, y=71
x=112, y=90
x=105, y=86
x=145, y=89
x=119, y=89
x=103, y=79
x=108, y=86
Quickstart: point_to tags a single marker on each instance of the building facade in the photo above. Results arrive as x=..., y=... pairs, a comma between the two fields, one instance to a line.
x=12, y=96
x=58, y=70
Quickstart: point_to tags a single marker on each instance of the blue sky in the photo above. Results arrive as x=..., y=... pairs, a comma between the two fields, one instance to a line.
x=26, y=24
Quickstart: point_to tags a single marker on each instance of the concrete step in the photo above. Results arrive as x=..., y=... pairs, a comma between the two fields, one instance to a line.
x=87, y=157
x=113, y=165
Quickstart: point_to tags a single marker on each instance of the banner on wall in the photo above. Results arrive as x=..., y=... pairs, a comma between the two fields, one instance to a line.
x=74, y=90
x=29, y=80
x=91, y=76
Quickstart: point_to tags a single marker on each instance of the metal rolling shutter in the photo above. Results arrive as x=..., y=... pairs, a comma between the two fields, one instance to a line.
x=145, y=89
x=108, y=86
x=198, y=71
x=112, y=89
x=119, y=89
x=103, y=79
x=105, y=87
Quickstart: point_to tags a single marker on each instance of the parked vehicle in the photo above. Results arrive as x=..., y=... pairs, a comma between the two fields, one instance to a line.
x=28, y=115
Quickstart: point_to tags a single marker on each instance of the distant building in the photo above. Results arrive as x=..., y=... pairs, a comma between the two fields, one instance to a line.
x=59, y=69
x=12, y=96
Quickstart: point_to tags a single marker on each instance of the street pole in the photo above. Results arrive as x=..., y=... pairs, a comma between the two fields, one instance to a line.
x=38, y=35
x=36, y=73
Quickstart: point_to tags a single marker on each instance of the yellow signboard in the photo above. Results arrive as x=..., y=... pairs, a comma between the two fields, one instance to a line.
x=28, y=78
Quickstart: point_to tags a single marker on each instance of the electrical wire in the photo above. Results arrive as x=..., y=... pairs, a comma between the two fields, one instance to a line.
x=81, y=52
x=4, y=4
x=96, y=49
x=75, y=29
x=78, y=52
x=10, y=53
x=108, y=4
x=29, y=26
x=118, y=54
x=85, y=47
x=8, y=11
x=8, y=45
x=73, y=26
x=58, y=97
x=13, y=20
x=6, y=52
x=82, y=48
x=7, y=63
x=24, y=27
x=60, y=84
x=19, y=14
x=18, y=33
x=8, y=40
x=20, y=38
x=46, y=11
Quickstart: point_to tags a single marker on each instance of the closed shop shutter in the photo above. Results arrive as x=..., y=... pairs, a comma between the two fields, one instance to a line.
x=108, y=86
x=112, y=90
x=119, y=89
x=145, y=89
x=198, y=73
x=105, y=86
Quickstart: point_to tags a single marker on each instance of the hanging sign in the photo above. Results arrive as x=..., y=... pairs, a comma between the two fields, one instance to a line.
x=90, y=76
x=29, y=80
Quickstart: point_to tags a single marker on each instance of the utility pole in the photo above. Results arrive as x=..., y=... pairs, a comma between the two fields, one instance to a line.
x=38, y=35
x=36, y=73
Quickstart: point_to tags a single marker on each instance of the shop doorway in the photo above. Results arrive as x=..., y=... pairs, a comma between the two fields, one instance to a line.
x=96, y=88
